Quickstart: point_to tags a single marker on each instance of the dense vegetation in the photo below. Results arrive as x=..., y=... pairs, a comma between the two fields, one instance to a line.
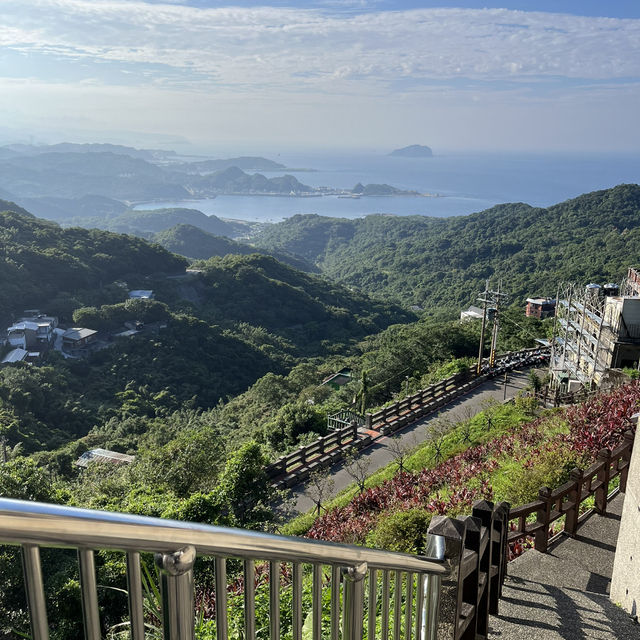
x=227, y=372
x=45, y=266
x=193, y=242
x=444, y=262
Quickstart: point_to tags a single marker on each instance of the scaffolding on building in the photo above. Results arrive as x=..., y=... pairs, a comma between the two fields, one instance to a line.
x=582, y=341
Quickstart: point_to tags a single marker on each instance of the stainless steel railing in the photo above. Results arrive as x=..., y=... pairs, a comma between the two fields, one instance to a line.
x=176, y=545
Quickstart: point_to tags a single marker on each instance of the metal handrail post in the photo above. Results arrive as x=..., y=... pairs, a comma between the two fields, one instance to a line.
x=177, y=586
x=434, y=549
x=354, y=601
x=32, y=570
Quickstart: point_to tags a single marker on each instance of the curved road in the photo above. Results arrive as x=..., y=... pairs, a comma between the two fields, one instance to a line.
x=378, y=452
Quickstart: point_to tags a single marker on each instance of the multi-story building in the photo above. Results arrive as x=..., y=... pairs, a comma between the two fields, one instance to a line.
x=597, y=329
x=540, y=307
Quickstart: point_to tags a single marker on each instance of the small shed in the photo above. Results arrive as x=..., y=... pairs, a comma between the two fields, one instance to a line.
x=78, y=338
x=339, y=379
x=103, y=455
x=15, y=355
x=472, y=313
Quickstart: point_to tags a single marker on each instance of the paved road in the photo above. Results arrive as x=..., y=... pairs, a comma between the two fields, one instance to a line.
x=379, y=454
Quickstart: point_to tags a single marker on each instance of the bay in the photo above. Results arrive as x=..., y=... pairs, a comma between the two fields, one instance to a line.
x=463, y=182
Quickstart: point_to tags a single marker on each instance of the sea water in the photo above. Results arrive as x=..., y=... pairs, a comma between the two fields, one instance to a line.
x=457, y=183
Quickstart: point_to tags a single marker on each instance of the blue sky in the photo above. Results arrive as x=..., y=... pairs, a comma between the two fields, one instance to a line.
x=611, y=8
x=540, y=76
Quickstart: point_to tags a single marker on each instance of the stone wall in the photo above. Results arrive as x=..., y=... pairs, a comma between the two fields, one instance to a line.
x=625, y=582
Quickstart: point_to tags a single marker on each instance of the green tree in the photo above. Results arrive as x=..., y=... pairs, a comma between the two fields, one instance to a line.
x=22, y=479
x=244, y=489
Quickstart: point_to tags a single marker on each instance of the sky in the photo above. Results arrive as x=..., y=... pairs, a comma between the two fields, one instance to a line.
x=553, y=75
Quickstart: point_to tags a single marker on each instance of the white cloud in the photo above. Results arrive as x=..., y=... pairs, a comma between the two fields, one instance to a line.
x=453, y=77
x=307, y=49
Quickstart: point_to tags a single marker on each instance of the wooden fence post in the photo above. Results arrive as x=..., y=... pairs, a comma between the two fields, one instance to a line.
x=575, y=496
x=354, y=429
x=483, y=510
x=500, y=551
x=544, y=512
x=604, y=456
x=471, y=591
x=454, y=533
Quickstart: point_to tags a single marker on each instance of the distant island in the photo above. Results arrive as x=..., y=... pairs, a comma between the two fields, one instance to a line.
x=413, y=151
x=379, y=190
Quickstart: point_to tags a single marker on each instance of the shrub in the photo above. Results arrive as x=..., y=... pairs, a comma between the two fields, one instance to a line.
x=401, y=531
x=520, y=480
x=527, y=404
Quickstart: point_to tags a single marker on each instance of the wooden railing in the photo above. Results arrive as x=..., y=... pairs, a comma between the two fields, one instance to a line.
x=477, y=546
x=566, y=500
x=296, y=466
x=413, y=407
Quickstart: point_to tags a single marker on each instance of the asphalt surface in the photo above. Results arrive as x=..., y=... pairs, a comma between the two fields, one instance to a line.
x=378, y=454
x=563, y=594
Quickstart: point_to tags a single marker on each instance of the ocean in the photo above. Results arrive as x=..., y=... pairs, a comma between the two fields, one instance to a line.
x=463, y=183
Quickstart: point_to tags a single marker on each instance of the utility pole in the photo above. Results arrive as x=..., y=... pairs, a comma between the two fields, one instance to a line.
x=493, y=298
x=497, y=296
x=483, y=298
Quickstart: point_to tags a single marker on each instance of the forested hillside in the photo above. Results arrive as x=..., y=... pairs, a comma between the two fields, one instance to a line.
x=266, y=293
x=444, y=262
x=207, y=337
x=141, y=221
x=57, y=269
x=193, y=242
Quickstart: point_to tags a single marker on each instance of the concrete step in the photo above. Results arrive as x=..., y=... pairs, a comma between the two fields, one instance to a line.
x=536, y=611
x=564, y=594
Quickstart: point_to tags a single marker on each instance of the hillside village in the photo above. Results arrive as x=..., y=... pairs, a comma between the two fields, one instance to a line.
x=33, y=335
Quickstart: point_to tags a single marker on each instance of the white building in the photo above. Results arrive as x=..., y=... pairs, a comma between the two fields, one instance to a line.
x=472, y=313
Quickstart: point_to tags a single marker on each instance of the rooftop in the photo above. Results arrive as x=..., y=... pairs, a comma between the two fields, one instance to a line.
x=103, y=455
x=78, y=333
x=15, y=355
x=143, y=294
x=21, y=326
